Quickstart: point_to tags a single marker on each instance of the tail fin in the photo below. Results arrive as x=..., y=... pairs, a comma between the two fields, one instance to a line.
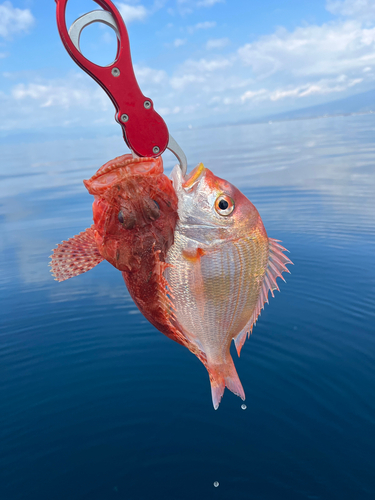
x=221, y=376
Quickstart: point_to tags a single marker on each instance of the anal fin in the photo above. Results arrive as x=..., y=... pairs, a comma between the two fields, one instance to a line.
x=75, y=256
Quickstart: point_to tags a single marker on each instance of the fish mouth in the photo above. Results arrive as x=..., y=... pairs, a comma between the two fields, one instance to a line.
x=194, y=176
x=122, y=167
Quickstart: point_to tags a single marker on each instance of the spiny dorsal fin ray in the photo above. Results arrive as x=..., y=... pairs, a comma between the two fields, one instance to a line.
x=276, y=266
x=75, y=256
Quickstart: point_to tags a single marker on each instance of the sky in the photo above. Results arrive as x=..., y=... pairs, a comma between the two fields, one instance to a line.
x=202, y=62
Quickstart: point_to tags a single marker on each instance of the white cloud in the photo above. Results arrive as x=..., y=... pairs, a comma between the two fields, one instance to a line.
x=60, y=94
x=146, y=75
x=179, y=41
x=75, y=99
x=209, y=3
x=217, y=43
x=198, y=77
x=14, y=20
x=192, y=72
x=251, y=95
x=356, y=9
x=170, y=111
x=287, y=67
x=42, y=103
x=303, y=67
x=184, y=7
x=188, y=6
x=180, y=82
x=321, y=87
x=201, y=26
x=132, y=13
x=204, y=66
x=312, y=50
x=205, y=25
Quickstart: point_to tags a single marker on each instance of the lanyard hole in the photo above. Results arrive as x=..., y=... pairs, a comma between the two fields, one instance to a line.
x=98, y=43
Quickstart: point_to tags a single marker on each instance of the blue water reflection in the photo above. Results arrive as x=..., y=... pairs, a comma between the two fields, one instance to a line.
x=96, y=404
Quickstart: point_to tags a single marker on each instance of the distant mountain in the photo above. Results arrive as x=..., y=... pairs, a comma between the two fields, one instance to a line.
x=359, y=103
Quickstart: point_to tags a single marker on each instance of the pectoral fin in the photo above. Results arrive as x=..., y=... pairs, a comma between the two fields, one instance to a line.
x=75, y=256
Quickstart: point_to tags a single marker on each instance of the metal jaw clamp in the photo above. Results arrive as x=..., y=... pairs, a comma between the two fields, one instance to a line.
x=144, y=130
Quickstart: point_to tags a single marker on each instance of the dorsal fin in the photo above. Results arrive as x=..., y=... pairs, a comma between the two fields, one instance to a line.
x=75, y=256
x=276, y=266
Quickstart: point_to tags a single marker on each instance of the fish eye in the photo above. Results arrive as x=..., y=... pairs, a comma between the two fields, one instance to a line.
x=127, y=218
x=224, y=205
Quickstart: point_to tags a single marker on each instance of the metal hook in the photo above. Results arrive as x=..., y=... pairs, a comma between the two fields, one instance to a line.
x=179, y=154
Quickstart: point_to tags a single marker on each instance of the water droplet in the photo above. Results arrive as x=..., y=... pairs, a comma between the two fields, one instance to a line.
x=243, y=407
x=216, y=484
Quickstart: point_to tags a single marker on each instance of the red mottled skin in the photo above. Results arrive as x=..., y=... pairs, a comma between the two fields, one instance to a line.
x=137, y=246
x=135, y=214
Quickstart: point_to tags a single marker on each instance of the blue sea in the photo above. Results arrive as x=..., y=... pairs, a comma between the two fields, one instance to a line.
x=96, y=404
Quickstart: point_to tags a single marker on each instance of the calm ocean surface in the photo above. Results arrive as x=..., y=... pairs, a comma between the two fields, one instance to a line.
x=95, y=404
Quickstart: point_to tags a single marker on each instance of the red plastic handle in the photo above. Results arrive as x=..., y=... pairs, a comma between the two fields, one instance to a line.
x=145, y=131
